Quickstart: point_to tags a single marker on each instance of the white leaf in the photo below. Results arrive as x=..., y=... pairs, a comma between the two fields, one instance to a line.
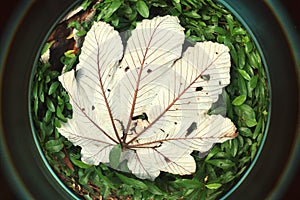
x=153, y=100
x=89, y=95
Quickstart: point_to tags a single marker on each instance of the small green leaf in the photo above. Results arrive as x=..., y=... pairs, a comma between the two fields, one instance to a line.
x=142, y=8
x=115, y=22
x=221, y=38
x=248, y=47
x=50, y=105
x=46, y=47
x=221, y=163
x=35, y=90
x=213, y=186
x=86, y=4
x=216, y=29
x=53, y=87
x=233, y=52
x=79, y=163
x=253, y=150
x=242, y=85
x=246, y=132
x=84, y=176
x=238, y=31
x=133, y=182
x=213, y=152
x=251, y=122
x=251, y=85
x=159, y=3
x=48, y=79
x=70, y=53
x=114, y=6
x=69, y=106
x=258, y=128
x=87, y=197
x=211, y=171
x=35, y=106
x=242, y=57
x=177, y=5
x=126, y=10
x=54, y=74
x=114, y=156
x=54, y=146
x=60, y=101
x=104, y=179
x=48, y=116
x=154, y=189
x=42, y=134
x=244, y=74
x=246, y=114
x=253, y=60
x=239, y=100
x=259, y=138
x=45, y=130
x=192, y=14
x=59, y=114
x=57, y=123
x=234, y=147
x=74, y=24
x=41, y=92
x=80, y=33
x=227, y=177
x=230, y=22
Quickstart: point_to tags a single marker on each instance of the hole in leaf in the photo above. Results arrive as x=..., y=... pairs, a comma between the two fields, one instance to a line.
x=143, y=116
x=93, y=107
x=205, y=77
x=108, y=90
x=192, y=127
x=198, y=89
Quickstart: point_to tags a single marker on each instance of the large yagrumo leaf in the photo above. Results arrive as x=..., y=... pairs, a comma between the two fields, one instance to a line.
x=152, y=100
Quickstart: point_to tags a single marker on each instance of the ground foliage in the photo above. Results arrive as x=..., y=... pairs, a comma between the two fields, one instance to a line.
x=246, y=98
